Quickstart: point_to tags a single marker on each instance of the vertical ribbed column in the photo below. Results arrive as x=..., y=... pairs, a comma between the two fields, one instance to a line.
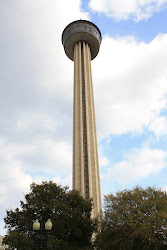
x=93, y=166
x=78, y=168
x=96, y=186
x=85, y=154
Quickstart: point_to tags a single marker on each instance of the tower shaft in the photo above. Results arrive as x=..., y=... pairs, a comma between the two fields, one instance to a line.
x=85, y=154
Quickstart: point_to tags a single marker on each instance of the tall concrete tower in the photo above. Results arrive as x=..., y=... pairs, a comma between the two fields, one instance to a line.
x=81, y=40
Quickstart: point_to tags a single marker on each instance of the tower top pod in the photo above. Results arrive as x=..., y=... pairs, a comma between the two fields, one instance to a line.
x=81, y=30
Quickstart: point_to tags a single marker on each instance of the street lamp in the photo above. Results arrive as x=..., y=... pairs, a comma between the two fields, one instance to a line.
x=36, y=225
x=40, y=241
x=48, y=225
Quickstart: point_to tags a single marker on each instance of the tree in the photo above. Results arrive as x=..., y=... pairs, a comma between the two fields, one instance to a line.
x=134, y=219
x=68, y=211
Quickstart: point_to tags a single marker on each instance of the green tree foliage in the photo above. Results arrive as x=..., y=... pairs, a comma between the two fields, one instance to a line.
x=134, y=219
x=68, y=211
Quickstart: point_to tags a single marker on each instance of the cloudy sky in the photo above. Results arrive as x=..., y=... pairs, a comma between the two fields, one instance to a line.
x=36, y=94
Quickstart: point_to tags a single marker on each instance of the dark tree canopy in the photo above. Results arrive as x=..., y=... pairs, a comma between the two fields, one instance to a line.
x=68, y=211
x=134, y=219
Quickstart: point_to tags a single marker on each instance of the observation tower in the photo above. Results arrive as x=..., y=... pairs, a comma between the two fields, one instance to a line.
x=81, y=40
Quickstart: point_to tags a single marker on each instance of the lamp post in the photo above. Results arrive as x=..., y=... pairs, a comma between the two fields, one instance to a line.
x=39, y=240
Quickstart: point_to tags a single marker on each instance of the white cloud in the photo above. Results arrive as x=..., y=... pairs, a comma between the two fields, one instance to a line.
x=41, y=155
x=103, y=161
x=37, y=122
x=138, y=164
x=14, y=182
x=55, y=157
x=159, y=126
x=130, y=91
x=126, y=9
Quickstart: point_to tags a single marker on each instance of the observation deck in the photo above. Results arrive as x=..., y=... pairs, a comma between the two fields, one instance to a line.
x=81, y=30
